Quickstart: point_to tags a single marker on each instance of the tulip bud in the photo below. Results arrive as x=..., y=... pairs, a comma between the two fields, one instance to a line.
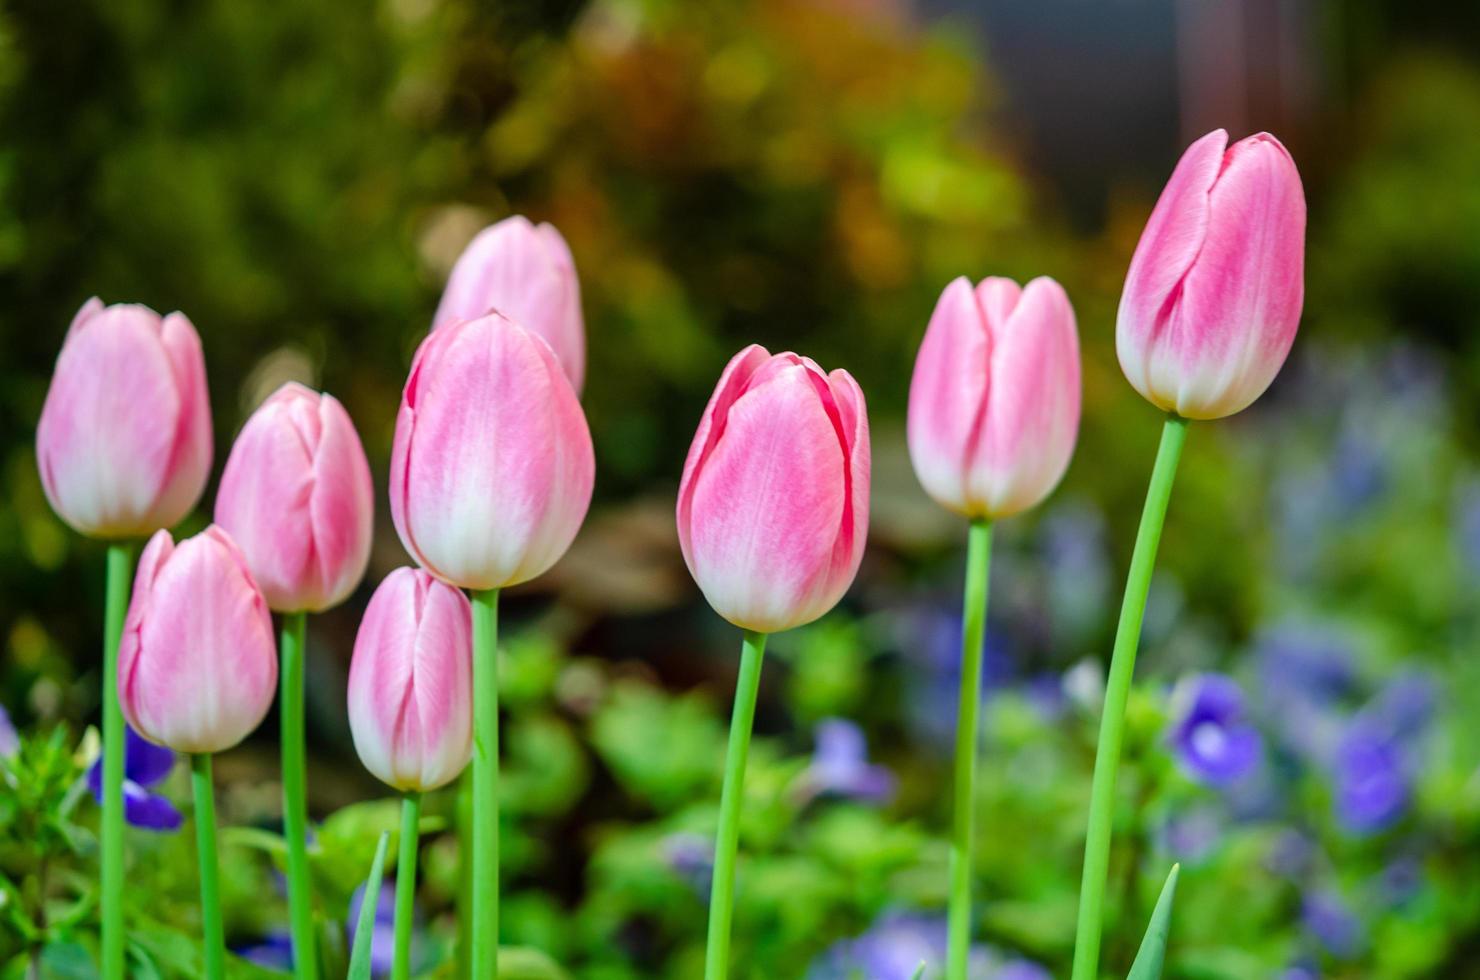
x=197, y=665
x=124, y=442
x=411, y=682
x=492, y=466
x=525, y=272
x=1212, y=299
x=994, y=404
x=773, y=505
x=296, y=497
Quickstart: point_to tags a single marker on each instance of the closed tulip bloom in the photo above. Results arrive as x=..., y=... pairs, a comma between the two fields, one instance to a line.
x=526, y=272
x=773, y=505
x=492, y=466
x=197, y=666
x=994, y=403
x=411, y=682
x=124, y=442
x=1213, y=296
x=296, y=497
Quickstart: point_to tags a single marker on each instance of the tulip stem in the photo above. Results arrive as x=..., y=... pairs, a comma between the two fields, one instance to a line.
x=1117, y=692
x=406, y=885
x=295, y=795
x=212, y=932
x=722, y=888
x=973, y=632
x=485, y=785
x=120, y=574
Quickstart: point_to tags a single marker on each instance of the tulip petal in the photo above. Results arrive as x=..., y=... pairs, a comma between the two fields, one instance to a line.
x=948, y=392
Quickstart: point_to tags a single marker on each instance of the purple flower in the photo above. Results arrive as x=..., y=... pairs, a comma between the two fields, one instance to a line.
x=1372, y=782
x=383, y=932
x=1333, y=924
x=691, y=857
x=1021, y=970
x=893, y=949
x=1400, y=881
x=1193, y=835
x=1291, y=854
x=1213, y=740
x=1301, y=970
x=10, y=742
x=840, y=765
x=144, y=765
x=273, y=952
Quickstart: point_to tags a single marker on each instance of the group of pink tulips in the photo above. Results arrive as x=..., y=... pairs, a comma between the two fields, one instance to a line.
x=491, y=476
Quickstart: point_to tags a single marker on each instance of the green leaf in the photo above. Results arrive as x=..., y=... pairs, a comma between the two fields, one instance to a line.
x=359, y=960
x=1154, y=947
x=919, y=971
x=523, y=963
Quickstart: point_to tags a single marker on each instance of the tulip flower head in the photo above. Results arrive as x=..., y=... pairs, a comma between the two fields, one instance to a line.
x=296, y=496
x=492, y=467
x=526, y=272
x=994, y=403
x=124, y=441
x=773, y=505
x=411, y=682
x=1213, y=296
x=197, y=666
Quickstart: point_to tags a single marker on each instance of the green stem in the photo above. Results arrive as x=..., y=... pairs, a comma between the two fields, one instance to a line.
x=485, y=785
x=406, y=885
x=295, y=795
x=212, y=932
x=974, y=622
x=464, y=875
x=722, y=890
x=120, y=575
x=1117, y=691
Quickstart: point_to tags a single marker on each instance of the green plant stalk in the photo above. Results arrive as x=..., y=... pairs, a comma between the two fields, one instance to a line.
x=1117, y=692
x=485, y=785
x=295, y=795
x=464, y=875
x=722, y=889
x=120, y=576
x=406, y=885
x=213, y=934
x=974, y=623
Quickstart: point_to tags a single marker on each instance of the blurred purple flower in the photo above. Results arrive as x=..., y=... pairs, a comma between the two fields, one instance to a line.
x=1078, y=570
x=1401, y=880
x=892, y=949
x=273, y=952
x=1358, y=474
x=10, y=742
x=691, y=857
x=1306, y=676
x=840, y=765
x=144, y=765
x=1467, y=524
x=1193, y=835
x=1211, y=735
x=1291, y=854
x=931, y=636
x=383, y=932
x=1333, y=924
x=1372, y=783
x=1301, y=970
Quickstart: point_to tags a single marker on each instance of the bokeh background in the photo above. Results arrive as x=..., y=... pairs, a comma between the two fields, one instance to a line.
x=807, y=174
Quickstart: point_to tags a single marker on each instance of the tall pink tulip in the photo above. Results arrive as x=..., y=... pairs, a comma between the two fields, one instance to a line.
x=197, y=665
x=411, y=682
x=124, y=441
x=492, y=467
x=1213, y=296
x=526, y=272
x=773, y=505
x=296, y=496
x=994, y=404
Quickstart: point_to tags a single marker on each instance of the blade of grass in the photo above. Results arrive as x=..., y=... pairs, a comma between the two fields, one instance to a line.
x=359, y=960
x=1154, y=946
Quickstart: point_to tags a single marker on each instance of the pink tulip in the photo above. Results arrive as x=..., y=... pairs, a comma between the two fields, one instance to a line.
x=525, y=272
x=1212, y=299
x=124, y=442
x=492, y=466
x=197, y=666
x=994, y=404
x=411, y=682
x=296, y=496
x=773, y=505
